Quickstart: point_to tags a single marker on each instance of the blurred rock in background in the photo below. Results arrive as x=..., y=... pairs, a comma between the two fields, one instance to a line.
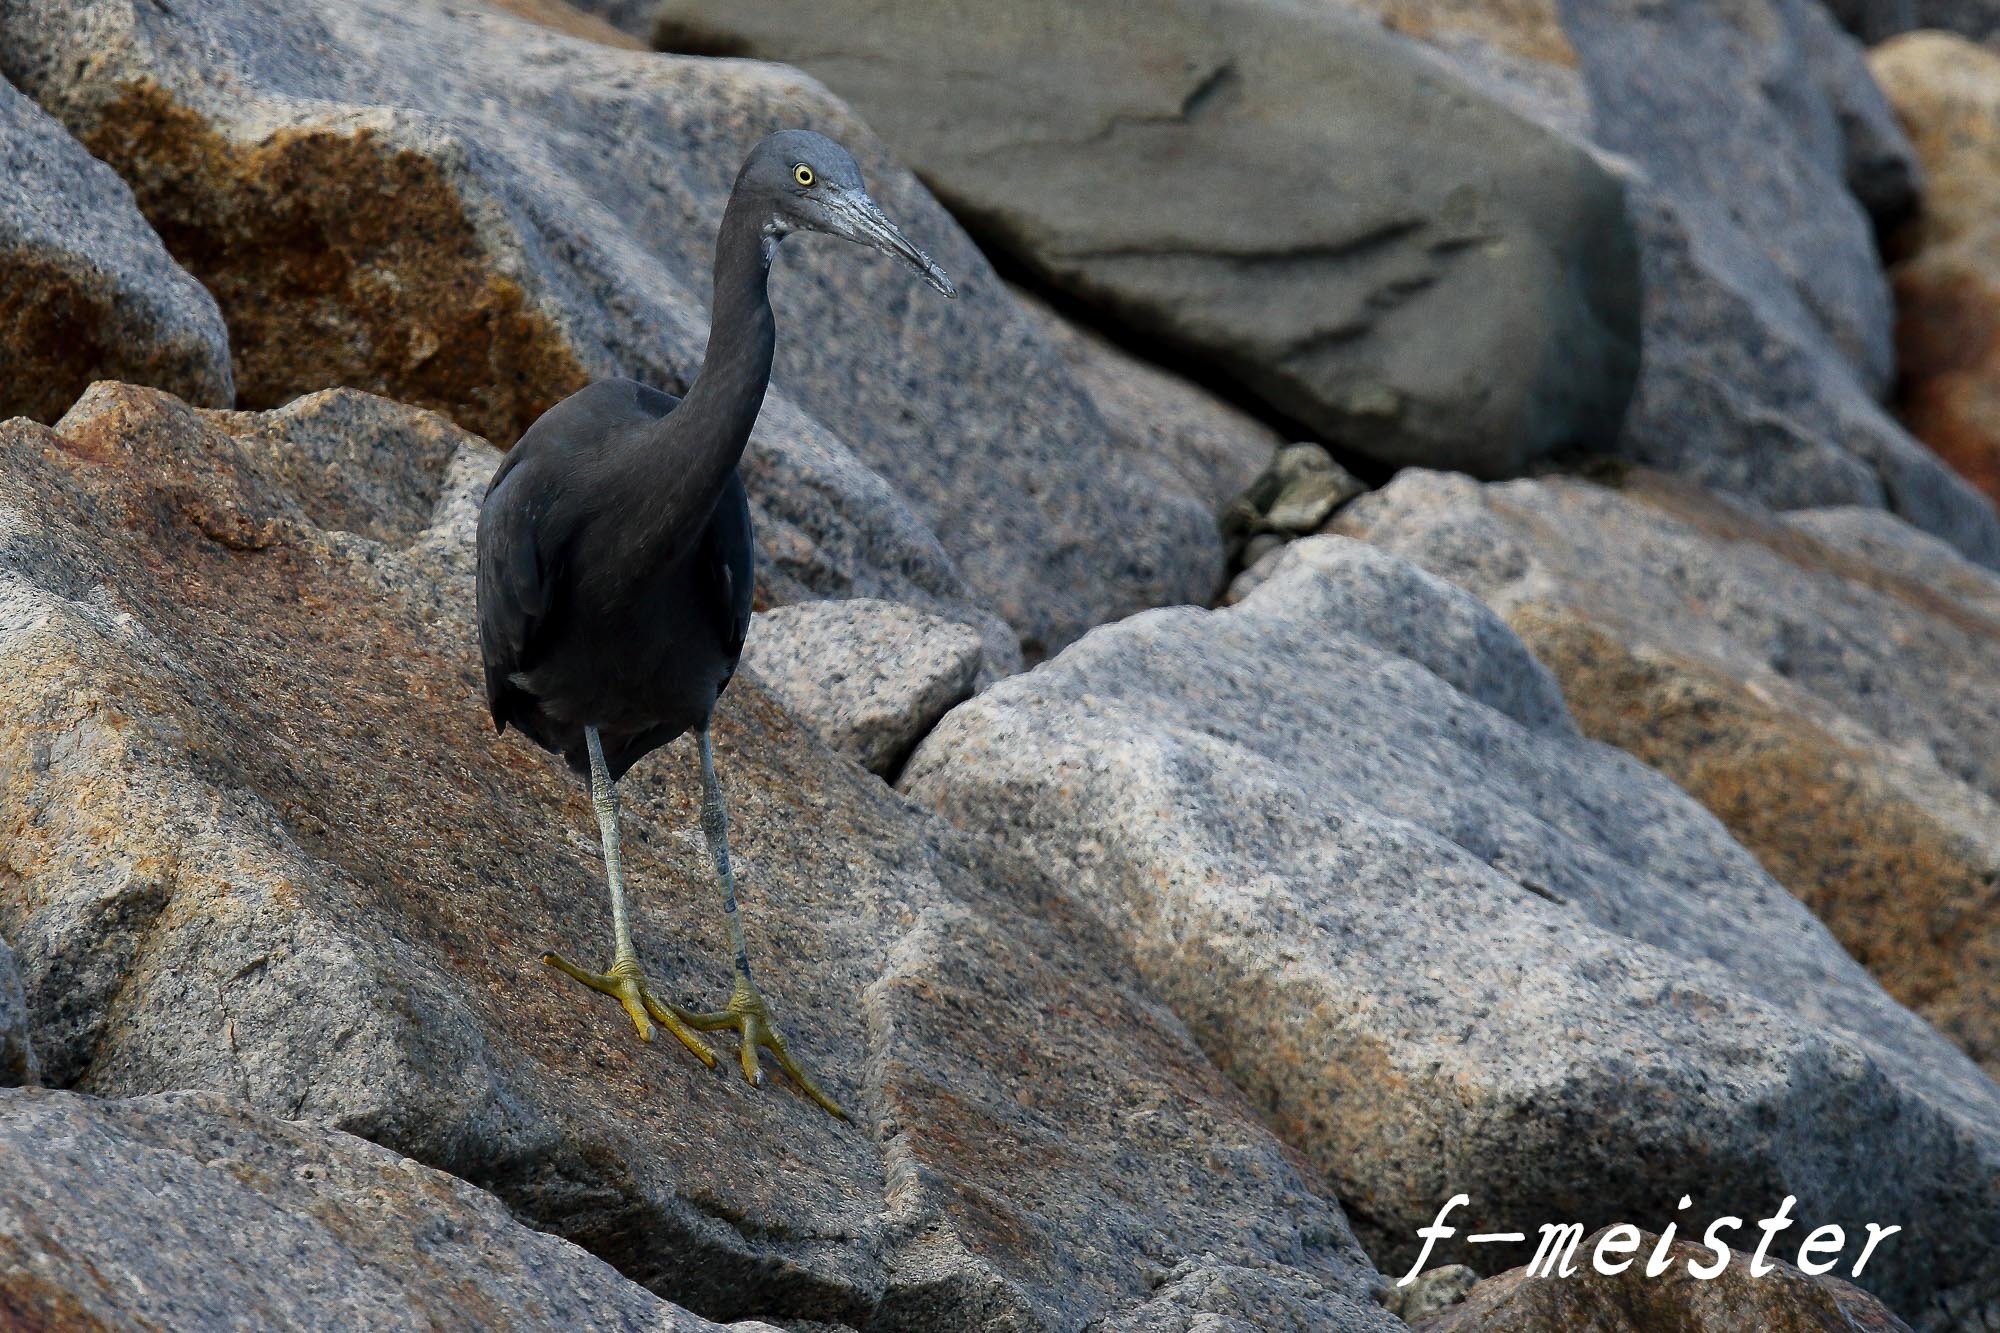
x=1281, y=193
x=1947, y=260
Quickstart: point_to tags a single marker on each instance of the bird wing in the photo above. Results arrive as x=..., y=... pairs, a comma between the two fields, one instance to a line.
x=525, y=527
x=513, y=595
x=732, y=556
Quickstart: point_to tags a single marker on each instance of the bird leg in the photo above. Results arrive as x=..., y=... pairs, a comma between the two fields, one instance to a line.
x=746, y=1012
x=623, y=982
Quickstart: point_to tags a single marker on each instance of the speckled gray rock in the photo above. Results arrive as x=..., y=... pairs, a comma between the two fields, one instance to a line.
x=260, y=839
x=189, y=1210
x=89, y=292
x=1293, y=196
x=1831, y=698
x=1892, y=546
x=1350, y=834
x=485, y=243
x=1204, y=1296
x=17, y=1057
x=870, y=677
x=1159, y=421
x=1754, y=146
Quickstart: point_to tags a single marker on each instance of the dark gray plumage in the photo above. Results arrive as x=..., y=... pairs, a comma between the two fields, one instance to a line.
x=615, y=555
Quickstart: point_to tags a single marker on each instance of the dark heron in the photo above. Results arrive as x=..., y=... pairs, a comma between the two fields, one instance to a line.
x=615, y=561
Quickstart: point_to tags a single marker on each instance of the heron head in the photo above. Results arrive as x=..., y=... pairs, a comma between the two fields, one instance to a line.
x=814, y=185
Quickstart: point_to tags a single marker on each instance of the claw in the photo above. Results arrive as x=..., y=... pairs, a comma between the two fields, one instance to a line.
x=624, y=984
x=751, y=1017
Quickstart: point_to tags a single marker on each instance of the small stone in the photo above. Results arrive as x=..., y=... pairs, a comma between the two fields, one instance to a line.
x=1309, y=499
x=1433, y=1290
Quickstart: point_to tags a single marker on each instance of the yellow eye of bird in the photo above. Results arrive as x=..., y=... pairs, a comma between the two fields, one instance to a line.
x=803, y=174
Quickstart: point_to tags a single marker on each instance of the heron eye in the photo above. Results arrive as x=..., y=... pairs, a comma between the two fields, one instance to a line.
x=803, y=174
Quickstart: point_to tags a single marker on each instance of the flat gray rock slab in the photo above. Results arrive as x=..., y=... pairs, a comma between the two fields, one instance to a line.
x=261, y=840
x=189, y=1210
x=870, y=677
x=90, y=292
x=1352, y=837
x=487, y=242
x=1303, y=202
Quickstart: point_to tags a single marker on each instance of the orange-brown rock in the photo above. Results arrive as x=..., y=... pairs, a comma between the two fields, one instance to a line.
x=1947, y=261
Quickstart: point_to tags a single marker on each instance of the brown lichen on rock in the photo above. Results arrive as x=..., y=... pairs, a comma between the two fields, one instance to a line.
x=1948, y=349
x=87, y=291
x=1894, y=885
x=1946, y=273
x=1528, y=30
x=339, y=258
x=53, y=329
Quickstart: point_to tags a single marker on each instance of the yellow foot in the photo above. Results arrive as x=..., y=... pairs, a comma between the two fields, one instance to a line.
x=624, y=984
x=749, y=1016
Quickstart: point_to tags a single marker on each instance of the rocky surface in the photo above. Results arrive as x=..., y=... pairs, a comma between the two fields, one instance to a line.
x=1290, y=195
x=17, y=1057
x=1158, y=419
x=86, y=289
x=1350, y=834
x=259, y=839
x=113, y=1214
x=1838, y=714
x=485, y=243
x=1755, y=148
x=1751, y=145
x=1947, y=274
x=1781, y=1299
x=870, y=677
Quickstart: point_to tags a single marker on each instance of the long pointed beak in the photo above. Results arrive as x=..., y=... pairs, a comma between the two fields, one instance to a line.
x=862, y=221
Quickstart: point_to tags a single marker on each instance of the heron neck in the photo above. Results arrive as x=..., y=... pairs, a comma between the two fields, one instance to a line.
x=722, y=404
